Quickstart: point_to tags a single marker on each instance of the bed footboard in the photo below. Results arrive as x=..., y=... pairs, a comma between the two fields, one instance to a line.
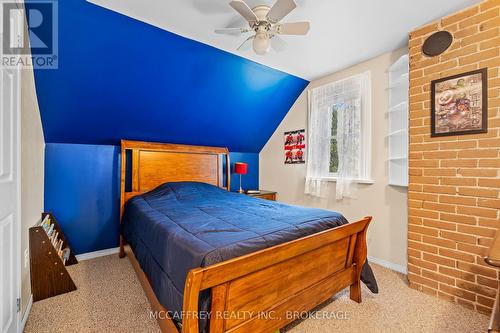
x=265, y=290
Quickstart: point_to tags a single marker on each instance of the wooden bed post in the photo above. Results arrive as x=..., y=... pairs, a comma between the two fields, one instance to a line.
x=122, y=247
x=359, y=258
x=228, y=171
x=122, y=196
x=190, y=302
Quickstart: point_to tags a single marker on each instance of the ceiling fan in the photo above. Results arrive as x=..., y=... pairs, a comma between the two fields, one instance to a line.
x=265, y=22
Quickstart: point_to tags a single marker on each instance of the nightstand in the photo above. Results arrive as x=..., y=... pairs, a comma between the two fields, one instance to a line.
x=268, y=195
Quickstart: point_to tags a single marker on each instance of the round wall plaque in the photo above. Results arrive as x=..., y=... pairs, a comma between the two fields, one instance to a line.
x=437, y=43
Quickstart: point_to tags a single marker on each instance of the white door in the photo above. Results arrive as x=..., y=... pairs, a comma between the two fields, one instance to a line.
x=10, y=221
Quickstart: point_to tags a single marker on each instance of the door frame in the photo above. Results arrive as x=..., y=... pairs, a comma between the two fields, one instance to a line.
x=18, y=203
x=17, y=246
x=17, y=179
x=20, y=255
x=18, y=72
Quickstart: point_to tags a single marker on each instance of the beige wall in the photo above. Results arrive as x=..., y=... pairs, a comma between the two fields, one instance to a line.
x=32, y=171
x=387, y=204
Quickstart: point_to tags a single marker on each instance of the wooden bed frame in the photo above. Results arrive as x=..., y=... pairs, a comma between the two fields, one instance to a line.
x=259, y=292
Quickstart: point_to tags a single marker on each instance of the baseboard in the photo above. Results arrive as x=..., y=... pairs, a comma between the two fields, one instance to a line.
x=97, y=254
x=387, y=264
x=26, y=314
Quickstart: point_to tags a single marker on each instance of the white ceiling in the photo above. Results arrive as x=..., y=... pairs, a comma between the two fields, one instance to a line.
x=343, y=32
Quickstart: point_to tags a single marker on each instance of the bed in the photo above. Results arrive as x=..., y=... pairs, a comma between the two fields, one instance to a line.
x=218, y=261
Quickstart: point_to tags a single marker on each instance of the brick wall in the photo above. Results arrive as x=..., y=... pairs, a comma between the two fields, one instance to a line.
x=453, y=194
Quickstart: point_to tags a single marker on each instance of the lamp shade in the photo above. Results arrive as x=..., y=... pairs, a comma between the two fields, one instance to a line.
x=240, y=168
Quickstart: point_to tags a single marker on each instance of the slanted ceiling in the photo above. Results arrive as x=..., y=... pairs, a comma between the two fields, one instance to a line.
x=121, y=78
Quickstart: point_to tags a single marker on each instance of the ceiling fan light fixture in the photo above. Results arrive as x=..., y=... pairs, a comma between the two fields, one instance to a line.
x=261, y=43
x=265, y=21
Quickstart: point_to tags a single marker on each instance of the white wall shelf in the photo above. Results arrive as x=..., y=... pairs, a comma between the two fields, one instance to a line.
x=400, y=82
x=398, y=132
x=398, y=122
x=401, y=107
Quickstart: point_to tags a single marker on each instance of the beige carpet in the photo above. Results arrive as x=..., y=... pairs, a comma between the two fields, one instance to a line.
x=110, y=299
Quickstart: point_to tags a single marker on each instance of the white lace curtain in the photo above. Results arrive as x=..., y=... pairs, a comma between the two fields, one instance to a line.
x=318, y=151
x=346, y=97
x=348, y=146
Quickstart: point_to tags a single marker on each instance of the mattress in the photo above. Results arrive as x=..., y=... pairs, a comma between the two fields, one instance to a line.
x=180, y=226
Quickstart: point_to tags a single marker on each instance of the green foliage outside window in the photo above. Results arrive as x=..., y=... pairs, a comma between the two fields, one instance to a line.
x=334, y=156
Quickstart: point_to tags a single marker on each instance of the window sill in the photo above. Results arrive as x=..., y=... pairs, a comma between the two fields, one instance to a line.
x=359, y=181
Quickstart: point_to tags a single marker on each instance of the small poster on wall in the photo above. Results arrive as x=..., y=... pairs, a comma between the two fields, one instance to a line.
x=295, y=147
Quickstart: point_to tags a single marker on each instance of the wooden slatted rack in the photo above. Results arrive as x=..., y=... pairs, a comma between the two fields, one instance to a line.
x=49, y=276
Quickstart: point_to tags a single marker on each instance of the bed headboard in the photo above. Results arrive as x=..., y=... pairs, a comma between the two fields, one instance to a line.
x=152, y=164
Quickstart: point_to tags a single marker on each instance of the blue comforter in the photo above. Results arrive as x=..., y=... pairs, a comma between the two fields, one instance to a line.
x=181, y=226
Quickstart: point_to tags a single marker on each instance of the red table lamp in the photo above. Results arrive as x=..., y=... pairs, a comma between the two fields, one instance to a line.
x=240, y=168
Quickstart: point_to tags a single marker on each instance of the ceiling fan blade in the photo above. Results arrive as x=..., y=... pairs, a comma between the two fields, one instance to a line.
x=277, y=43
x=245, y=45
x=231, y=31
x=280, y=9
x=245, y=11
x=295, y=28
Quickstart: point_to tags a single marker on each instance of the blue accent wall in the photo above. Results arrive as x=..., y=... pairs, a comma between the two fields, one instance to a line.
x=119, y=78
x=82, y=189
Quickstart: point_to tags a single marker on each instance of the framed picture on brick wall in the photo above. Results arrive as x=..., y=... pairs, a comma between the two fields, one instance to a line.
x=459, y=104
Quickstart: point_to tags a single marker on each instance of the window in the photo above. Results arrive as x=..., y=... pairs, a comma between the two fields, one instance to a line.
x=351, y=95
x=339, y=131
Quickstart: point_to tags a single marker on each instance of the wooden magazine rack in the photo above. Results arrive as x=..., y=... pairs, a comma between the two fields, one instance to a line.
x=49, y=276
